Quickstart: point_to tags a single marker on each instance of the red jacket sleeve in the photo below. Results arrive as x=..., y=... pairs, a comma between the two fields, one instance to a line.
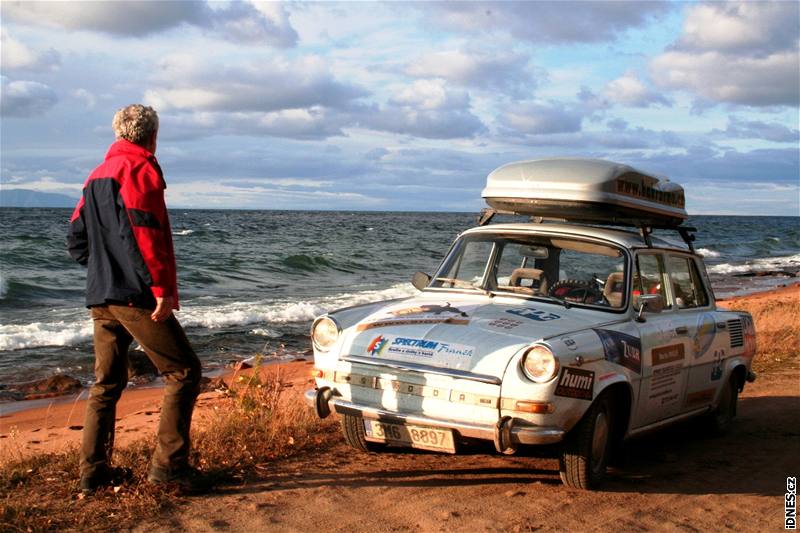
x=143, y=195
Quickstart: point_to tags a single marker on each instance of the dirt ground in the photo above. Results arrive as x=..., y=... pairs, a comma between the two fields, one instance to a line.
x=678, y=479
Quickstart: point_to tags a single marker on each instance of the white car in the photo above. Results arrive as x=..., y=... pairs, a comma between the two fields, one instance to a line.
x=541, y=333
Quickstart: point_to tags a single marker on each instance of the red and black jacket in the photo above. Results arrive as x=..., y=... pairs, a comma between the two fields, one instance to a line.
x=120, y=230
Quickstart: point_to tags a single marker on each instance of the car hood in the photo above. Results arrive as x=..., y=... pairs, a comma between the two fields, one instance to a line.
x=477, y=334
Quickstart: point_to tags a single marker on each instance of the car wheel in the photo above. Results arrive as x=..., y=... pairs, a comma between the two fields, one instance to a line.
x=587, y=448
x=354, y=434
x=722, y=417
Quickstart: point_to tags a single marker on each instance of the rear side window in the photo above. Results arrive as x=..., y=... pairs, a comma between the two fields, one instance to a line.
x=687, y=288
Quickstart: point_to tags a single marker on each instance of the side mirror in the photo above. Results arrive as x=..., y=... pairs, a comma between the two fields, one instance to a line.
x=654, y=303
x=420, y=280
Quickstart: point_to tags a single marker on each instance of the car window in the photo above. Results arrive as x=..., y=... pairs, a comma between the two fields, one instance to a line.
x=465, y=266
x=687, y=289
x=649, y=277
x=537, y=266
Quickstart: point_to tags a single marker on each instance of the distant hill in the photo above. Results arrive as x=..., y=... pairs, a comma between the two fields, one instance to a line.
x=28, y=198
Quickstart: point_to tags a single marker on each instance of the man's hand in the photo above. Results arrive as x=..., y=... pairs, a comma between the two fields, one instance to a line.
x=163, y=308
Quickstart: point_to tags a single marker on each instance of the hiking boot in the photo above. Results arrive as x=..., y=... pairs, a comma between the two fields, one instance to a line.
x=186, y=479
x=105, y=477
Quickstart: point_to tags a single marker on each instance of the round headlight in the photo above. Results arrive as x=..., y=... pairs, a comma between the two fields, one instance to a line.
x=539, y=364
x=324, y=333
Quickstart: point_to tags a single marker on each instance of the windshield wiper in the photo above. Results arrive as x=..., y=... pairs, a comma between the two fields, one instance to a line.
x=562, y=301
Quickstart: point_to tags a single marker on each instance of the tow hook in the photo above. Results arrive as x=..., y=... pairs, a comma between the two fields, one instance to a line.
x=751, y=376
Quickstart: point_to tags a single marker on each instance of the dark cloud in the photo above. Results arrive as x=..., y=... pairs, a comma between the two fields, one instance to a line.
x=237, y=21
x=546, y=22
x=754, y=129
x=25, y=98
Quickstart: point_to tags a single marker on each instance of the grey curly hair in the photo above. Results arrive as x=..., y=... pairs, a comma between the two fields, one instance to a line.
x=135, y=123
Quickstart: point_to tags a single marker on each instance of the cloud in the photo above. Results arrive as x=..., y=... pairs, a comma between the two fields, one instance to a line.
x=742, y=53
x=752, y=81
x=237, y=21
x=307, y=124
x=741, y=27
x=754, y=129
x=198, y=84
x=426, y=108
x=546, y=22
x=25, y=98
x=537, y=119
x=504, y=71
x=628, y=90
x=15, y=55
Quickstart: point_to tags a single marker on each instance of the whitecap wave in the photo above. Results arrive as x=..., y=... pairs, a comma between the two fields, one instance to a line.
x=36, y=334
x=707, y=252
x=245, y=313
x=183, y=232
x=71, y=332
x=791, y=262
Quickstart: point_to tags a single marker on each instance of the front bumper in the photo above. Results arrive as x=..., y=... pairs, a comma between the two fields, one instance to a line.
x=506, y=434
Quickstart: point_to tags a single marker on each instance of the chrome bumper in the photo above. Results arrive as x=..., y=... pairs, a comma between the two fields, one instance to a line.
x=508, y=432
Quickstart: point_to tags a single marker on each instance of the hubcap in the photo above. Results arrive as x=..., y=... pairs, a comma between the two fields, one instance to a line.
x=599, y=441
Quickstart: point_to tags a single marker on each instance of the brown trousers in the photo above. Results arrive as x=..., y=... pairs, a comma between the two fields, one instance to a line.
x=165, y=343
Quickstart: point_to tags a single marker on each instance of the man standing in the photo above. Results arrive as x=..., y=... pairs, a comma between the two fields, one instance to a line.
x=120, y=230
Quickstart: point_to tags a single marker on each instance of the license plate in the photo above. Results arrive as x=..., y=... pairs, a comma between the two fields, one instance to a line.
x=426, y=438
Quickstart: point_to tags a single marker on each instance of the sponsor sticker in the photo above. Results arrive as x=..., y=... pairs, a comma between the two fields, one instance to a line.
x=716, y=368
x=406, y=346
x=570, y=343
x=621, y=348
x=704, y=334
x=575, y=383
x=534, y=314
x=505, y=323
x=429, y=309
x=420, y=314
x=667, y=354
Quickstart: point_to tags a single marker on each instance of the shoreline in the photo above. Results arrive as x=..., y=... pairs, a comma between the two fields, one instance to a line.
x=53, y=424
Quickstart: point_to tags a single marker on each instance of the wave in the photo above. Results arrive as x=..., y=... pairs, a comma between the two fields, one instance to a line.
x=246, y=313
x=37, y=334
x=70, y=333
x=705, y=252
x=791, y=262
x=308, y=263
x=183, y=232
x=3, y=286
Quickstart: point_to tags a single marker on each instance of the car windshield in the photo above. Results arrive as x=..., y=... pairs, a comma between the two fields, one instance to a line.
x=568, y=269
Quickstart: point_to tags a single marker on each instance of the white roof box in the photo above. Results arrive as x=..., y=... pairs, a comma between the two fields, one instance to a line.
x=585, y=190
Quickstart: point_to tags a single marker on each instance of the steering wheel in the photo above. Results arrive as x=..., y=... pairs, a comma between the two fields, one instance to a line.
x=574, y=290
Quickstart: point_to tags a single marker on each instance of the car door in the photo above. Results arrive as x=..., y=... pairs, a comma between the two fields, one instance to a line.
x=665, y=345
x=706, y=349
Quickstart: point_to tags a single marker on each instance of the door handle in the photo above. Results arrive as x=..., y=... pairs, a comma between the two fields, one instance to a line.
x=681, y=330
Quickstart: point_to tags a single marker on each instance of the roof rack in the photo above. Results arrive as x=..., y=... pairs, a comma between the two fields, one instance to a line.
x=644, y=226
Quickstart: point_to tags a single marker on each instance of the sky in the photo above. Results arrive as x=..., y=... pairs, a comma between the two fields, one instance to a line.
x=405, y=105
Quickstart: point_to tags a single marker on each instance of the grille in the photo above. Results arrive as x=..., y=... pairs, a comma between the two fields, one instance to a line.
x=735, y=331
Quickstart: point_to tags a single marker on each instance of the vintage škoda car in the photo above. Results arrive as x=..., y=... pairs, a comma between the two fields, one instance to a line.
x=541, y=333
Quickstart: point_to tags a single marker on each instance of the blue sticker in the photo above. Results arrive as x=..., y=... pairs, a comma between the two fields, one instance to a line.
x=533, y=314
x=622, y=349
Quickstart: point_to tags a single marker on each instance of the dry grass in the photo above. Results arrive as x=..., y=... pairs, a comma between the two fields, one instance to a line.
x=259, y=420
x=777, y=323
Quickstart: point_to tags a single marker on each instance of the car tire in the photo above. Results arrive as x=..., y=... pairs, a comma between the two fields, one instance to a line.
x=586, y=450
x=355, y=435
x=721, y=418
